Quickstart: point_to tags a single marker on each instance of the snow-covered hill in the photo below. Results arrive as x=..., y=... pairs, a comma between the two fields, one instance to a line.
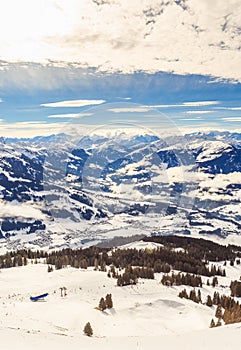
x=57, y=192
x=144, y=315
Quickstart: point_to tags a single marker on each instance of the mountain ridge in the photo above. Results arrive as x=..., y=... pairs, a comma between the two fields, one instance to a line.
x=101, y=187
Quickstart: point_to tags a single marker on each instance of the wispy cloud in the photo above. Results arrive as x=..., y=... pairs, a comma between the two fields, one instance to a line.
x=163, y=106
x=235, y=109
x=30, y=129
x=198, y=112
x=229, y=108
x=232, y=119
x=73, y=103
x=130, y=109
x=200, y=103
x=1, y=100
x=70, y=115
x=186, y=104
x=190, y=119
x=124, y=98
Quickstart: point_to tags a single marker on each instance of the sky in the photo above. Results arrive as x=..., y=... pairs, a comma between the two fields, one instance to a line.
x=98, y=62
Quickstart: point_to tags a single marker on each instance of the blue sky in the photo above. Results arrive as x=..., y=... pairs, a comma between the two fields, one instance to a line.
x=179, y=57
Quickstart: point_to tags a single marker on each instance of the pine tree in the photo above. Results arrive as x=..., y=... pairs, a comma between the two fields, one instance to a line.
x=183, y=294
x=212, y=324
x=193, y=296
x=209, y=301
x=215, y=281
x=96, y=263
x=88, y=330
x=108, y=301
x=219, y=312
x=50, y=268
x=199, y=296
x=120, y=281
x=112, y=270
x=102, y=304
x=216, y=298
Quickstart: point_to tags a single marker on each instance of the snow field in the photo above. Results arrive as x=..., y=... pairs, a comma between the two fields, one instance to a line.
x=148, y=314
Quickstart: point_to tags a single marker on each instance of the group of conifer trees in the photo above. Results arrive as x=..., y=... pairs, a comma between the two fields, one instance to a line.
x=181, y=279
x=235, y=289
x=196, y=297
x=163, y=259
x=199, y=248
x=228, y=310
x=106, y=303
x=130, y=275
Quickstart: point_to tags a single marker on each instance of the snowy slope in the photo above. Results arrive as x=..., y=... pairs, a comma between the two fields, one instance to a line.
x=143, y=315
x=139, y=245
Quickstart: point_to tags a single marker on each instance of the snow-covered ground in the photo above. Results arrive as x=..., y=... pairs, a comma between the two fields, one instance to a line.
x=146, y=316
x=141, y=245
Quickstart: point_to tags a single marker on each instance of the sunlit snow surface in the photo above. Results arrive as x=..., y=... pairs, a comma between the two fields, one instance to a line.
x=148, y=314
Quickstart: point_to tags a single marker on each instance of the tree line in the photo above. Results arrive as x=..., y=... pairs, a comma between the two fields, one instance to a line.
x=199, y=248
x=193, y=260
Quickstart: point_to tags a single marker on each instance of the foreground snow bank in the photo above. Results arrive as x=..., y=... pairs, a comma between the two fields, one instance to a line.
x=146, y=316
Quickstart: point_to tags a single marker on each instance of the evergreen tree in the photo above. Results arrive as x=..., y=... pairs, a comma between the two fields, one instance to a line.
x=108, y=301
x=183, y=294
x=50, y=268
x=88, y=330
x=215, y=281
x=193, y=296
x=112, y=270
x=219, y=312
x=216, y=298
x=120, y=281
x=209, y=301
x=102, y=304
x=212, y=324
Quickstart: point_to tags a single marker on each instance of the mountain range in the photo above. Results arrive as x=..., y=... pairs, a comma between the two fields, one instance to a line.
x=58, y=192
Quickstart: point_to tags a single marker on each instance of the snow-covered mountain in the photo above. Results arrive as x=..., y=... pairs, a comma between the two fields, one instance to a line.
x=57, y=191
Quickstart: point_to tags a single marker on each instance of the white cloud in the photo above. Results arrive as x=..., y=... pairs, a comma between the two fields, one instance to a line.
x=229, y=108
x=30, y=129
x=200, y=103
x=73, y=103
x=16, y=209
x=232, y=119
x=70, y=116
x=198, y=112
x=187, y=104
x=1, y=100
x=163, y=106
x=130, y=110
x=189, y=119
x=184, y=37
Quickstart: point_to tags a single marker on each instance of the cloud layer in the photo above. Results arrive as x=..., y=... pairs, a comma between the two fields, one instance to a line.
x=73, y=103
x=180, y=36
